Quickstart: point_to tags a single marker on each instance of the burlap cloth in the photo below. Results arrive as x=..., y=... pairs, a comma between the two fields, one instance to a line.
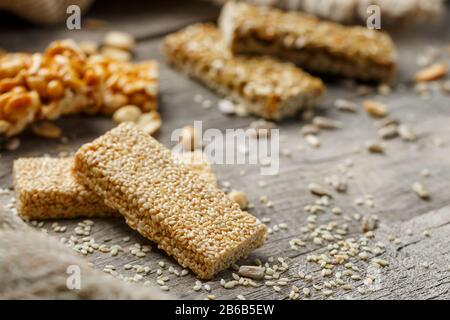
x=33, y=265
x=355, y=11
x=42, y=11
x=347, y=11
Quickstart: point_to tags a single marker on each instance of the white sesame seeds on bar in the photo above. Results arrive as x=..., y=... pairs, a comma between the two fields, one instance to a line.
x=186, y=216
x=315, y=45
x=45, y=189
x=261, y=85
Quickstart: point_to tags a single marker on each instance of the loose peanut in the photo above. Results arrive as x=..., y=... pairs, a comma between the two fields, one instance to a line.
x=406, y=133
x=46, y=129
x=116, y=54
x=120, y=40
x=375, y=109
x=150, y=122
x=127, y=113
x=4, y=126
x=431, y=73
x=89, y=47
x=240, y=198
x=188, y=138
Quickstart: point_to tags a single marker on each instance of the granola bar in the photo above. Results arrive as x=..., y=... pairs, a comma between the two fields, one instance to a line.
x=63, y=80
x=188, y=218
x=264, y=86
x=315, y=45
x=46, y=189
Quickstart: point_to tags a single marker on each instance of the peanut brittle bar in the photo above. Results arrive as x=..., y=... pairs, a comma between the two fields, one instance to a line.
x=63, y=80
x=263, y=85
x=46, y=189
x=189, y=218
x=315, y=45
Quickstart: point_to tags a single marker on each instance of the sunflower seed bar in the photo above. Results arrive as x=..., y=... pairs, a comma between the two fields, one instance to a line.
x=264, y=86
x=187, y=217
x=315, y=45
x=45, y=189
x=63, y=80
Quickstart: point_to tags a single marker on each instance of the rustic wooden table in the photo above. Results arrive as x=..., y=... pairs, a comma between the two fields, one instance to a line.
x=388, y=178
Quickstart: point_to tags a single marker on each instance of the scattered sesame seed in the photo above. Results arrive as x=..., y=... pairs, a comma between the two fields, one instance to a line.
x=306, y=291
x=184, y=272
x=318, y=190
x=420, y=190
x=312, y=140
x=374, y=147
x=380, y=262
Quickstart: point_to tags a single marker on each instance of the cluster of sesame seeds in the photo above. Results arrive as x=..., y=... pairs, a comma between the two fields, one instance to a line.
x=237, y=281
x=277, y=227
x=344, y=258
x=365, y=200
x=263, y=199
x=85, y=244
x=141, y=273
x=12, y=205
x=37, y=224
x=137, y=273
x=204, y=102
x=139, y=250
x=58, y=228
x=84, y=228
x=296, y=243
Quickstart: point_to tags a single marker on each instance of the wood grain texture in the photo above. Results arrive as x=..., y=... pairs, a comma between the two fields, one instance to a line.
x=387, y=177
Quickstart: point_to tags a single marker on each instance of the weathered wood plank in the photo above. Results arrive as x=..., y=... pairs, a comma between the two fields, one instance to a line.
x=420, y=266
x=387, y=177
x=143, y=19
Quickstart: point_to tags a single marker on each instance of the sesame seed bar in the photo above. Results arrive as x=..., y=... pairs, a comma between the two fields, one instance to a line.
x=188, y=218
x=197, y=162
x=315, y=45
x=264, y=86
x=46, y=189
x=63, y=80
